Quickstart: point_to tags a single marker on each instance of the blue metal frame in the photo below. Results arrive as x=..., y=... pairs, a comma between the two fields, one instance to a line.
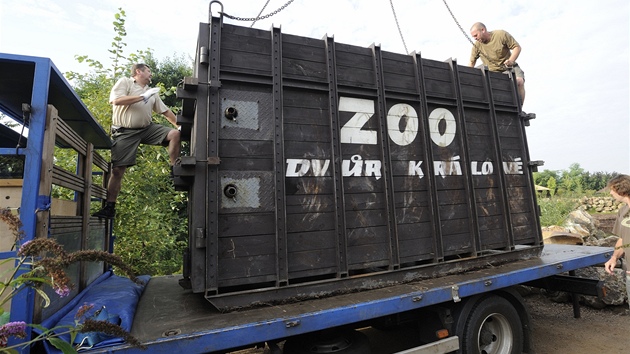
x=467, y=284
x=32, y=202
x=48, y=86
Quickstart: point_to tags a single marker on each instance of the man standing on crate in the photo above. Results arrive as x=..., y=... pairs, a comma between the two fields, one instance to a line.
x=133, y=103
x=498, y=51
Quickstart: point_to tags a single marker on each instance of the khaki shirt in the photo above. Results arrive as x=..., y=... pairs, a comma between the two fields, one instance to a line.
x=622, y=229
x=496, y=51
x=137, y=115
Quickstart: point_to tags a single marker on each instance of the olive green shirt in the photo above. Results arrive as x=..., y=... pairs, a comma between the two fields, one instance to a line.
x=496, y=51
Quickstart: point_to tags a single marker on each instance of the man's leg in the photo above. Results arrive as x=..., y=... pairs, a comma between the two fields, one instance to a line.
x=174, y=145
x=113, y=189
x=115, y=183
x=520, y=86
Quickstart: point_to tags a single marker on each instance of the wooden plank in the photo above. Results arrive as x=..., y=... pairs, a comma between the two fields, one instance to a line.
x=312, y=262
x=309, y=185
x=231, y=225
x=11, y=182
x=365, y=218
x=412, y=215
x=70, y=137
x=249, y=270
x=313, y=240
x=245, y=148
x=242, y=164
x=367, y=235
x=67, y=179
x=370, y=255
x=307, y=133
x=310, y=222
x=303, y=204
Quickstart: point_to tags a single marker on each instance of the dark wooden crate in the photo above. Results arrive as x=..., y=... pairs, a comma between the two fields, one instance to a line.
x=346, y=161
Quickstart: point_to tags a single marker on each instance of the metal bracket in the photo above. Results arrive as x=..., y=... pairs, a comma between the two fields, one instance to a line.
x=526, y=117
x=455, y=293
x=200, y=238
x=43, y=203
x=533, y=165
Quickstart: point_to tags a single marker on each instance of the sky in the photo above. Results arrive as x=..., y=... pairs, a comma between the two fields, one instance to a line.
x=575, y=53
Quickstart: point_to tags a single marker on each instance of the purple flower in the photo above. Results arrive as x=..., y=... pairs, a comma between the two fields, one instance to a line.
x=17, y=329
x=62, y=290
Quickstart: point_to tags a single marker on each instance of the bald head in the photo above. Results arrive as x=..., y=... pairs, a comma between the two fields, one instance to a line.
x=479, y=32
x=478, y=26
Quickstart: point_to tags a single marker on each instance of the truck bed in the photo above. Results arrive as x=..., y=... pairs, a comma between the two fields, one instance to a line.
x=170, y=319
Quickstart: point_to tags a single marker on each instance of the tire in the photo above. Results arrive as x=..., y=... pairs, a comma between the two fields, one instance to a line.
x=493, y=327
x=329, y=342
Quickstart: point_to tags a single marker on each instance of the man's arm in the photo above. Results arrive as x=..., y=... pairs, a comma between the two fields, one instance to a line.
x=126, y=100
x=609, y=266
x=170, y=116
x=516, y=51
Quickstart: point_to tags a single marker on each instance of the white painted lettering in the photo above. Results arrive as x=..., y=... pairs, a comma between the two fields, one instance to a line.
x=415, y=169
x=351, y=132
x=402, y=113
x=446, y=138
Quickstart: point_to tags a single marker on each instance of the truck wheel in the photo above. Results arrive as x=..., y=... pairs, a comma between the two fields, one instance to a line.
x=335, y=342
x=493, y=327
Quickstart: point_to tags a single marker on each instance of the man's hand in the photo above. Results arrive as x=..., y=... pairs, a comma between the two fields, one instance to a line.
x=150, y=92
x=609, y=266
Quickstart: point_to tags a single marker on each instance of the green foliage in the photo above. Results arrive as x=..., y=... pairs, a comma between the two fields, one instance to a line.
x=552, y=185
x=574, y=181
x=150, y=228
x=553, y=211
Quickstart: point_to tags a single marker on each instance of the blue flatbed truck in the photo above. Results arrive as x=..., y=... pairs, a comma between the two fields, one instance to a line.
x=276, y=123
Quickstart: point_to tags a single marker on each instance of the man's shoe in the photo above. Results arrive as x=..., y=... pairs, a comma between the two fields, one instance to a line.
x=107, y=212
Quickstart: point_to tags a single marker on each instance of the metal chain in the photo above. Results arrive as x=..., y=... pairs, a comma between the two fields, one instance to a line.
x=397, y=25
x=259, y=17
x=261, y=11
x=461, y=29
x=457, y=22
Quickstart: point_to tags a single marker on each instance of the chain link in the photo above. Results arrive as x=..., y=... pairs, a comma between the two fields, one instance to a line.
x=391, y=2
x=260, y=13
x=464, y=32
x=259, y=17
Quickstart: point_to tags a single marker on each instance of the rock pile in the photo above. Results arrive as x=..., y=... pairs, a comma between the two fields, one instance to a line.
x=600, y=204
x=581, y=228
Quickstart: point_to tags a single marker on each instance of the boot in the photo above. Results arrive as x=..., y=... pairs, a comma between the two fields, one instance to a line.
x=107, y=212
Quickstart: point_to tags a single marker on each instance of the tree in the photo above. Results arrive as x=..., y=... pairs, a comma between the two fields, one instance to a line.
x=150, y=228
x=572, y=179
x=542, y=178
x=551, y=184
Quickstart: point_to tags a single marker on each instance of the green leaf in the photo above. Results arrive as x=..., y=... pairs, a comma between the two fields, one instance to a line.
x=62, y=345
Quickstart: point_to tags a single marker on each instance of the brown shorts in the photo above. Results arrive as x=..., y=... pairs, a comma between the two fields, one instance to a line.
x=127, y=140
x=518, y=72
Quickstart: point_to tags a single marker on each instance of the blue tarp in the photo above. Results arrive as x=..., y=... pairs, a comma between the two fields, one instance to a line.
x=118, y=295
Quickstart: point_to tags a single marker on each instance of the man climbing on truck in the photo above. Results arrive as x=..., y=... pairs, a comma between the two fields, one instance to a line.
x=498, y=50
x=133, y=103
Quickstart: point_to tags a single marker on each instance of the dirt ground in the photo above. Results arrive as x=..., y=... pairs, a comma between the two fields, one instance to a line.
x=555, y=331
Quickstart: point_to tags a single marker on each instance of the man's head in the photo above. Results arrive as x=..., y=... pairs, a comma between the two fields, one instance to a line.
x=619, y=187
x=479, y=32
x=141, y=73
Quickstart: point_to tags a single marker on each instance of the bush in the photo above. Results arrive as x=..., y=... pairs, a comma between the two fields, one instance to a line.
x=553, y=211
